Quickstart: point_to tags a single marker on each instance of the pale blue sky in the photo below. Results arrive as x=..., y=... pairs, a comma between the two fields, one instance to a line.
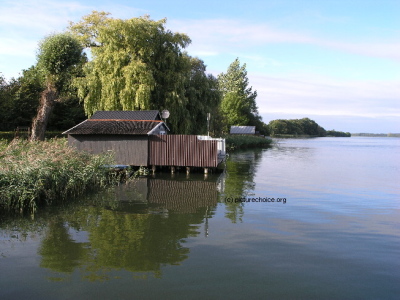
x=334, y=61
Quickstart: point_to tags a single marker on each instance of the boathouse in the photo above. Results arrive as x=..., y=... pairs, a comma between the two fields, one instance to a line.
x=139, y=138
x=126, y=133
x=247, y=130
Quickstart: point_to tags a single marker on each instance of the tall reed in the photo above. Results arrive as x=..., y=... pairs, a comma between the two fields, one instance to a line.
x=234, y=142
x=33, y=173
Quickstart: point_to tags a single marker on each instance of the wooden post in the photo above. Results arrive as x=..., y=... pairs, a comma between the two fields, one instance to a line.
x=187, y=170
x=153, y=169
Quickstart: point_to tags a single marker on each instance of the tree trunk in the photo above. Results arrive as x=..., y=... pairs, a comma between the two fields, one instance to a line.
x=47, y=100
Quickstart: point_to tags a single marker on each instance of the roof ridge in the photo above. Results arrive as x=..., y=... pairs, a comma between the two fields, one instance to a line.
x=122, y=120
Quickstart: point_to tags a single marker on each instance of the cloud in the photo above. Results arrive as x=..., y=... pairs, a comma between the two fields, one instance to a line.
x=326, y=96
x=214, y=36
x=24, y=23
x=222, y=35
x=378, y=49
x=38, y=15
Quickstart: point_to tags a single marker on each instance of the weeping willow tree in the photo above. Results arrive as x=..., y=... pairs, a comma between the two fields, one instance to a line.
x=136, y=64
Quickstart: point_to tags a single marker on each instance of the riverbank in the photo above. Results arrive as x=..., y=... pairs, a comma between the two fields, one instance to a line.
x=36, y=173
x=234, y=142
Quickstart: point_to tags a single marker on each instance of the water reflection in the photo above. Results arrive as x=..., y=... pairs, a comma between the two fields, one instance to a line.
x=241, y=168
x=138, y=227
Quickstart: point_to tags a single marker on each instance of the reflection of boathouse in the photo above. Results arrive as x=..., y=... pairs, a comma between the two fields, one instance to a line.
x=172, y=194
x=139, y=138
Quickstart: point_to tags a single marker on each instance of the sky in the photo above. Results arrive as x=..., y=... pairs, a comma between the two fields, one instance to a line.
x=334, y=61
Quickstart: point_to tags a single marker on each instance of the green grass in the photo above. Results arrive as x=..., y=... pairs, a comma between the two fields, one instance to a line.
x=234, y=142
x=36, y=173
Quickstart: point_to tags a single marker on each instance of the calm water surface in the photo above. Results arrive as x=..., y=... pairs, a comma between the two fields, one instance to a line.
x=334, y=234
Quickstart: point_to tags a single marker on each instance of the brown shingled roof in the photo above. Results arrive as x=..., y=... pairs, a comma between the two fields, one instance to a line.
x=106, y=126
x=128, y=115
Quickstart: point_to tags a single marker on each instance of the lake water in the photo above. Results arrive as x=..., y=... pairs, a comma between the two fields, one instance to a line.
x=326, y=225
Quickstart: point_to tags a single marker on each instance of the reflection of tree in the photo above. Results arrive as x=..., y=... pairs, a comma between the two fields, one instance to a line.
x=59, y=252
x=138, y=242
x=241, y=168
x=120, y=236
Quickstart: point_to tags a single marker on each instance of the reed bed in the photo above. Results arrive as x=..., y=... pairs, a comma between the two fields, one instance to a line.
x=35, y=173
x=234, y=142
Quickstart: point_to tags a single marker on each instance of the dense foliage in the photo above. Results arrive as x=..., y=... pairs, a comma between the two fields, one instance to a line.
x=32, y=173
x=337, y=133
x=303, y=126
x=19, y=101
x=238, y=105
x=57, y=54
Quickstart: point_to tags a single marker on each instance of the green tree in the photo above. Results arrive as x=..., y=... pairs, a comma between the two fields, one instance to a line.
x=136, y=64
x=203, y=96
x=234, y=109
x=59, y=55
x=238, y=99
x=303, y=126
x=19, y=99
x=5, y=102
x=25, y=97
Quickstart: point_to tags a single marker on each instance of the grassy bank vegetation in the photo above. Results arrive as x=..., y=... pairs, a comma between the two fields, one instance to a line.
x=35, y=173
x=10, y=135
x=234, y=142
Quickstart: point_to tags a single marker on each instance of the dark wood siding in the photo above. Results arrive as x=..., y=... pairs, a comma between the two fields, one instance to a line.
x=182, y=150
x=178, y=195
x=128, y=149
x=182, y=196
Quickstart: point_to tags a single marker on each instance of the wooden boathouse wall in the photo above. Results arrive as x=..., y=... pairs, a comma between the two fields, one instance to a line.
x=128, y=149
x=151, y=150
x=183, y=151
x=182, y=196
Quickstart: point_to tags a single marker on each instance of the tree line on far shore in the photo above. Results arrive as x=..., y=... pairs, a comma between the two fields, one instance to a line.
x=301, y=127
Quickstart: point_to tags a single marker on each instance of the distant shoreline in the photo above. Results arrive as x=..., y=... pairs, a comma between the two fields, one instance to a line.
x=377, y=134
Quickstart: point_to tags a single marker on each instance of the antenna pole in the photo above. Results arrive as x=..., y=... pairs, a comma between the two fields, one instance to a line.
x=208, y=123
